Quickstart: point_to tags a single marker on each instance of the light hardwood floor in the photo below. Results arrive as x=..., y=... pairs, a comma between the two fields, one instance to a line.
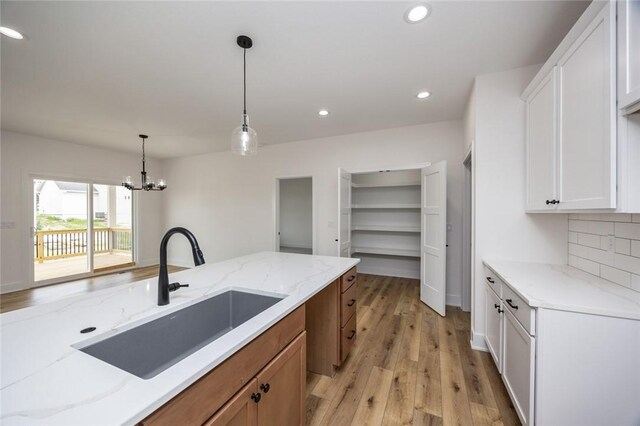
x=409, y=366
x=50, y=293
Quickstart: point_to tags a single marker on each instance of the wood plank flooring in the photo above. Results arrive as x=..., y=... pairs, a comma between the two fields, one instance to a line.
x=409, y=366
x=37, y=296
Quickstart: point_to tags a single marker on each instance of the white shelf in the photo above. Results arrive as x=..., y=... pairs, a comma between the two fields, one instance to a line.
x=382, y=185
x=387, y=228
x=386, y=251
x=385, y=206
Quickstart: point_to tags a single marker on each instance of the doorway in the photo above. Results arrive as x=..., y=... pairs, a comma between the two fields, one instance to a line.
x=79, y=228
x=294, y=215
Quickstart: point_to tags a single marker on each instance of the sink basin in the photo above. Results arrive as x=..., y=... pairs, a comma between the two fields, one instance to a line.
x=150, y=348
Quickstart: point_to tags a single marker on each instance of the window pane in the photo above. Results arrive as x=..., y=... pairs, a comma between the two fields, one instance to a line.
x=112, y=227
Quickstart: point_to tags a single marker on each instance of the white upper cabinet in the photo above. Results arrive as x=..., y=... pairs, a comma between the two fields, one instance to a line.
x=572, y=121
x=541, y=145
x=587, y=117
x=629, y=55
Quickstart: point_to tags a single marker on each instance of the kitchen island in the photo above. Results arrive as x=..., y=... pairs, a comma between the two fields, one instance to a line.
x=46, y=380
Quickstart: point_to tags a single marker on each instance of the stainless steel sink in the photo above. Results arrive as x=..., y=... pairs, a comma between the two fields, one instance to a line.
x=150, y=348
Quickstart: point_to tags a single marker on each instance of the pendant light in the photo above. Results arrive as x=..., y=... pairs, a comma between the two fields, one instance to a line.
x=148, y=184
x=244, y=140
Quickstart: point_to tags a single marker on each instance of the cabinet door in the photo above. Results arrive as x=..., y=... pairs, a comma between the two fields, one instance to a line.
x=282, y=387
x=629, y=54
x=587, y=173
x=541, y=145
x=518, y=368
x=241, y=410
x=494, y=314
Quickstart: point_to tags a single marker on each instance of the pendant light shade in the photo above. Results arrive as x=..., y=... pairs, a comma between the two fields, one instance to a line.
x=244, y=140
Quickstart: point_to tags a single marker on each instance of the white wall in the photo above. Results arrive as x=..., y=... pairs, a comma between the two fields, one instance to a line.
x=228, y=201
x=25, y=155
x=502, y=229
x=296, y=213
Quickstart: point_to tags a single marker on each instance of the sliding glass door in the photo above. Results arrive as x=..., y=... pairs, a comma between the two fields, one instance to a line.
x=80, y=228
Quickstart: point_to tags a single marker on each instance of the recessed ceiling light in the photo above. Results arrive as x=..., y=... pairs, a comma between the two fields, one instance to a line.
x=417, y=13
x=323, y=113
x=423, y=95
x=11, y=33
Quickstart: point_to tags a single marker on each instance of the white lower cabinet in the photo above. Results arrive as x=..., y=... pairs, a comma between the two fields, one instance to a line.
x=519, y=366
x=494, y=317
x=560, y=367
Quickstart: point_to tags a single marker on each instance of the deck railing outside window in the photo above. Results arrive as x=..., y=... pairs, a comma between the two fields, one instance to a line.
x=73, y=242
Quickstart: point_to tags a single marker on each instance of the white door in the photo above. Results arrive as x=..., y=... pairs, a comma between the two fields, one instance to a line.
x=587, y=174
x=541, y=145
x=433, y=237
x=344, y=213
x=493, y=317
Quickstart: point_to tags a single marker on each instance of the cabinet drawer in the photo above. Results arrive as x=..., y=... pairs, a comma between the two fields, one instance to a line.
x=348, y=279
x=348, y=304
x=519, y=308
x=493, y=281
x=347, y=337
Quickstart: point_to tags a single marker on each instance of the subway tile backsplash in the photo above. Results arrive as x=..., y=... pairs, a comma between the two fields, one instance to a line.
x=607, y=245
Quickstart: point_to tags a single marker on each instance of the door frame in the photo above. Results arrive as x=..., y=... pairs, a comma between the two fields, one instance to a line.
x=468, y=206
x=28, y=206
x=276, y=210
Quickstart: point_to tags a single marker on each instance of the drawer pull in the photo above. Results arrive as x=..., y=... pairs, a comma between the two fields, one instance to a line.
x=511, y=304
x=265, y=387
x=256, y=397
x=496, y=305
x=490, y=280
x=353, y=334
x=500, y=310
x=351, y=302
x=351, y=278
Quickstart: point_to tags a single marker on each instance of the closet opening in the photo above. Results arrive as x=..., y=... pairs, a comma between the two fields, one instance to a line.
x=294, y=215
x=394, y=221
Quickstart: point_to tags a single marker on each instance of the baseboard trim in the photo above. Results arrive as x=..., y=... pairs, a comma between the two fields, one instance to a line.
x=11, y=287
x=478, y=343
x=454, y=300
x=386, y=272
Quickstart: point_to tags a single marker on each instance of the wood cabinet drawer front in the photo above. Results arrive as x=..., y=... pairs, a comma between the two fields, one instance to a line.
x=199, y=401
x=348, y=302
x=493, y=281
x=347, y=337
x=348, y=279
x=519, y=308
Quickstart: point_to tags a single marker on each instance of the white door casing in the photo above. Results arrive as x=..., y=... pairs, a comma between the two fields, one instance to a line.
x=344, y=213
x=433, y=240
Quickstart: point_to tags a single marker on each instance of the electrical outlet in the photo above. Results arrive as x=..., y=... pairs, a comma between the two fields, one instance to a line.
x=611, y=242
x=449, y=227
x=7, y=225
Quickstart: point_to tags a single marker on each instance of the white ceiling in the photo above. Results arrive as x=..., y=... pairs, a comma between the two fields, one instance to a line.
x=99, y=73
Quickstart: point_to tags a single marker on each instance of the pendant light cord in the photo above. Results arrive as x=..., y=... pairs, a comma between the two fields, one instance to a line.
x=245, y=81
x=143, y=159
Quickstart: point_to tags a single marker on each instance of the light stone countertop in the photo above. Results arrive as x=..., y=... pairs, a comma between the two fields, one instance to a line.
x=46, y=381
x=565, y=288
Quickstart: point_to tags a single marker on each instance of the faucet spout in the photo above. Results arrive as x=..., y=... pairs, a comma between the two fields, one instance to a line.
x=164, y=288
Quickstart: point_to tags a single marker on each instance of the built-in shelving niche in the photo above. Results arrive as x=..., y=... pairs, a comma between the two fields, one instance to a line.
x=385, y=224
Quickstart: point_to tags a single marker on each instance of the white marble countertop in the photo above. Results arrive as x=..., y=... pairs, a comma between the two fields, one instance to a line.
x=565, y=288
x=45, y=381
